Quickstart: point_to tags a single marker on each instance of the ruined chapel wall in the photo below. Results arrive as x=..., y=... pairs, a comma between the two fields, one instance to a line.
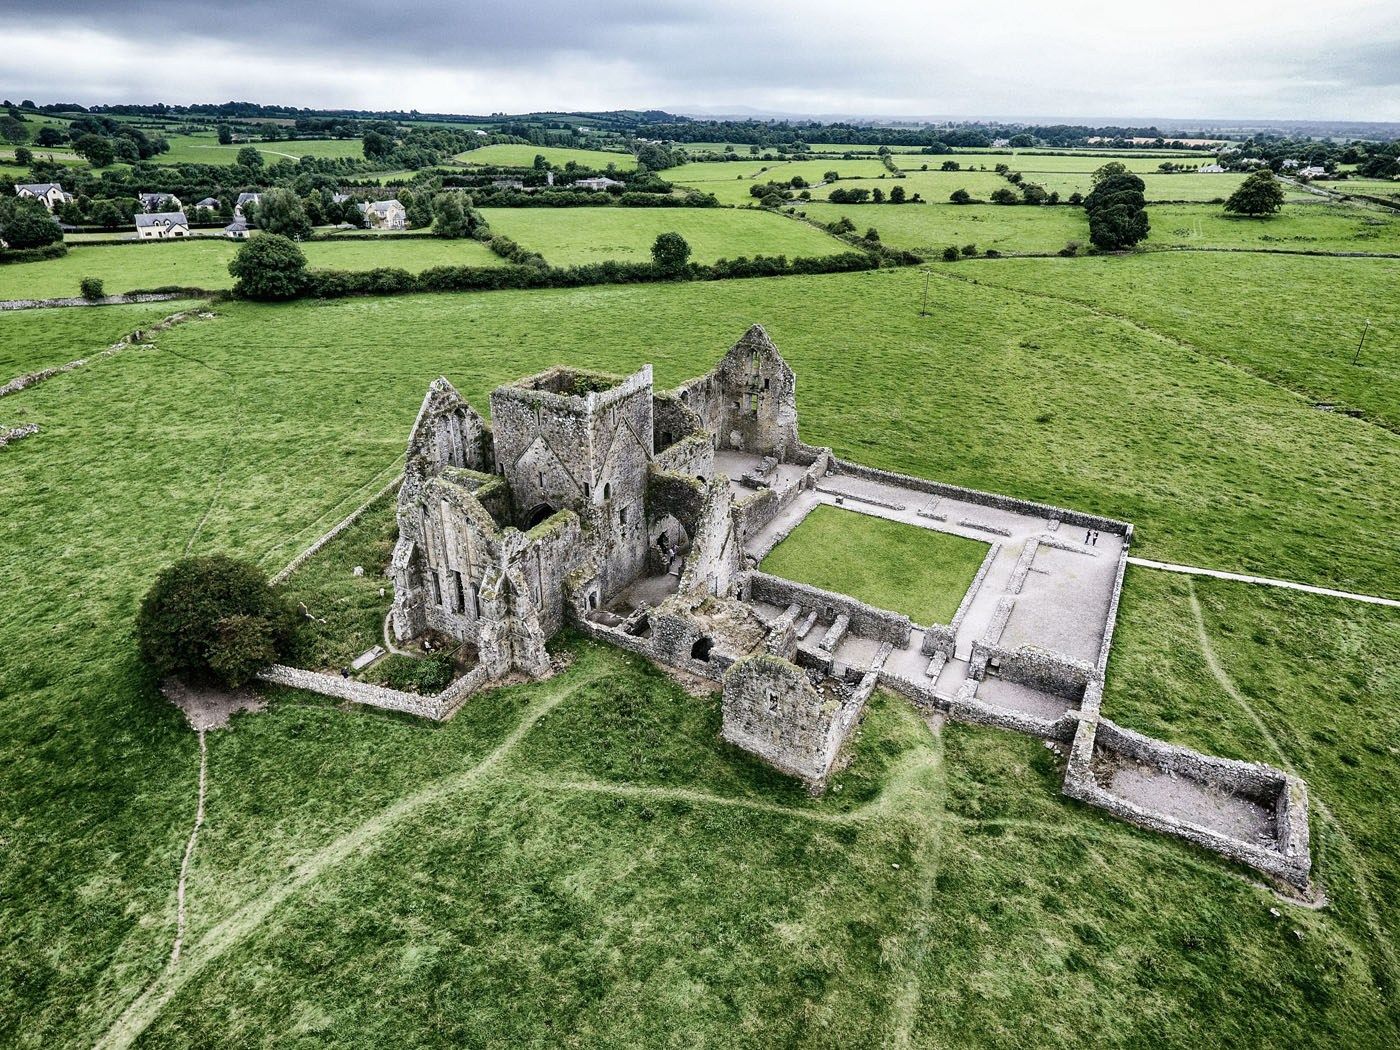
x=864, y=620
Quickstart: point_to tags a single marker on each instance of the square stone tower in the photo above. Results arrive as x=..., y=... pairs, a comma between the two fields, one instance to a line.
x=572, y=440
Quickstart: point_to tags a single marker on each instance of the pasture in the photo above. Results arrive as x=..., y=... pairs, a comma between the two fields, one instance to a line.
x=929, y=228
x=34, y=339
x=571, y=236
x=204, y=148
x=203, y=263
x=507, y=155
x=584, y=854
x=887, y=564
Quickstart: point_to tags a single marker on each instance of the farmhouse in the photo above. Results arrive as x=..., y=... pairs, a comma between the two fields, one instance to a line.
x=1210, y=169
x=236, y=230
x=162, y=225
x=152, y=202
x=49, y=194
x=1312, y=171
x=385, y=215
x=601, y=182
x=640, y=517
x=244, y=198
x=209, y=203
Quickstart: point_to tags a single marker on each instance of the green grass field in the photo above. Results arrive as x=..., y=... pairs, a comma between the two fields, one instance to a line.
x=203, y=263
x=1306, y=227
x=515, y=156
x=929, y=228
x=35, y=339
x=918, y=572
x=582, y=860
x=204, y=148
x=570, y=236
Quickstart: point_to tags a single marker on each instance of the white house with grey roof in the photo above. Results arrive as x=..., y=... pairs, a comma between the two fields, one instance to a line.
x=385, y=215
x=162, y=225
x=49, y=194
x=152, y=202
x=245, y=198
x=601, y=182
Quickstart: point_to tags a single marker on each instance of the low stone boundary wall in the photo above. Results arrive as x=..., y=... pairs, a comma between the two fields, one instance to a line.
x=985, y=499
x=24, y=430
x=863, y=620
x=438, y=707
x=1037, y=669
x=301, y=559
x=1289, y=860
x=939, y=638
x=1107, y=644
x=965, y=707
x=106, y=300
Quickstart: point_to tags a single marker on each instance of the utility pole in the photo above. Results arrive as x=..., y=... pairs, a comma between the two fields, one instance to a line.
x=1357, y=355
x=924, y=312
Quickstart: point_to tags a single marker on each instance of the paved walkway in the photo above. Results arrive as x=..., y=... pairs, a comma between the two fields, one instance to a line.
x=1196, y=570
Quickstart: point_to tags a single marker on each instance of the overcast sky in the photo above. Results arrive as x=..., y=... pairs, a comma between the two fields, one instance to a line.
x=1276, y=59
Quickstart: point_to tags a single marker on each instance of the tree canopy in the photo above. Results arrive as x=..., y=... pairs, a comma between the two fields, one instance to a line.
x=670, y=252
x=213, y=618
x=1259, y=194
x=282, y=211
x=269, y=266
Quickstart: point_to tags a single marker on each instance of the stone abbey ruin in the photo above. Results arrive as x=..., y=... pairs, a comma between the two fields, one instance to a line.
x=640, y=518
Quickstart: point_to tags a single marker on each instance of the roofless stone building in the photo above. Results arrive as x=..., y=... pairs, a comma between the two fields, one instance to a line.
x=640, y=517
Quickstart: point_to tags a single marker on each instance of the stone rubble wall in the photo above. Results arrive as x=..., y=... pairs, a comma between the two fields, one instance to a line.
x=438, y=707
x=965, y=707
x=106, y=300
x=1038, y=669
x=985, y=499
x=863, y=620
x=1102, y=663
x=320, y=542
x=13, y=434
x=940, y=638
x=1289, y=861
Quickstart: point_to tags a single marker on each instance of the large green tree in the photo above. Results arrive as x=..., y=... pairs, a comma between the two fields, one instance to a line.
x=282, y=211
x=27, y=224
x=95, y=149
x=670, y=253
x=269, y=267
x=213, y=618
x=1117, y=212
x=250, y=157
x=1259, y=194
x=453, y=215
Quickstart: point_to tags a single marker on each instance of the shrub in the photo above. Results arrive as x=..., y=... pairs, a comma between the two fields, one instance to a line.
x=1004, y=195
x=269, y=267
x=960, y=197
x=213, y=618
x=950, y=254
x=1070, y=250
x=91, y=288
x=969, y=250
x=670, y=252
x=992, y=253
x=872, y=234
x=28, y=224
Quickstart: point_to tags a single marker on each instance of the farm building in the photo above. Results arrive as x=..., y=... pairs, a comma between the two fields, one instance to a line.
x=162, y=225
x=1210, y=169
x=49, y=194
x=385, y=215
x=236, y=230
x=602, y=182
x=209, y=203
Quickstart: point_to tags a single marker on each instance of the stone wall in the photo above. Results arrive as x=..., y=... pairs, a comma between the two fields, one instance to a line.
x=335, y=530
x=985, y=499
x=864, y=620
x=438, y=706
x=1287, y=858
x=106, y=300
x=965, y=707
x=1038, y=669
x=12, y=434
x=772, y=710
x=692, y=456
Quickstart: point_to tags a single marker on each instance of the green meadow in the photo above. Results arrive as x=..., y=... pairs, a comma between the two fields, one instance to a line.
x=507, y=155
x=204, y=148
x=887, y=564
x=582, y=860
x=571, y=236
x=203, y=263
